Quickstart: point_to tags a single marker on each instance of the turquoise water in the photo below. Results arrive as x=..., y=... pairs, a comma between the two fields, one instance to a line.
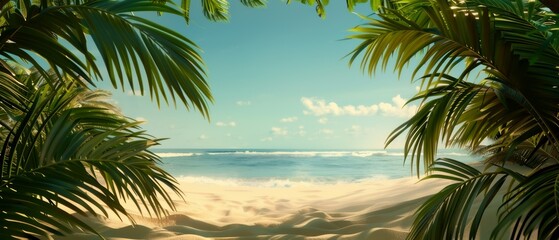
x=285, y=167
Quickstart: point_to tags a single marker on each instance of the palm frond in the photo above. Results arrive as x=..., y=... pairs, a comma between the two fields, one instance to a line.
x=532, y=208
x=507, y=112
x=68, y=151
x=254, y=3
x=136, y=52
x=216, y=10
x=375, y=5
x=452, y=41
x=436, y=120
x=448, y=213
x=534, y=152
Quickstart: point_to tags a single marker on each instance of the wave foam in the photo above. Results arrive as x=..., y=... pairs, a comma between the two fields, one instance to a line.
x=259, y=153
x=325, y=154
x=173, y=154
x=276, y=182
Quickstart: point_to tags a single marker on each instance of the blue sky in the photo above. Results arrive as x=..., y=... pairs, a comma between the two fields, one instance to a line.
x=280, y=79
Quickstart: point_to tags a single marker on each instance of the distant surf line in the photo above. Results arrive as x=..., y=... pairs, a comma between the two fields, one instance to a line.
x=324, y=154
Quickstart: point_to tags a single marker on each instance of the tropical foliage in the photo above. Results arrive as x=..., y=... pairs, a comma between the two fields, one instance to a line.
x=64, y=148
x=489, y=83
x=57, y=144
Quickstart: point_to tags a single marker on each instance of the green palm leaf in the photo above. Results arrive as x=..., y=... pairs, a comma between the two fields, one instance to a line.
x=253, y=3
x=448, y=213
x=452, y=42
x=489, y=84
x=533, y=207
x=71, y=150
x=136, y=52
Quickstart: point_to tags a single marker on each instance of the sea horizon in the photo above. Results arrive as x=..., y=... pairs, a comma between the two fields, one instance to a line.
x=290, y=167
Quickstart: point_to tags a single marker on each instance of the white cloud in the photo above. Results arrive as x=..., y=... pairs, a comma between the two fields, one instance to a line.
x=141, y=119
x=354, y=129
x=326, y=131
x=417, y=88
x=134, y=93
x=320, y=107
x=203, y=137
x=288, y=119
x=323, y=120
x=397, y=109
x=267, y=139
x=279, y=131
x=243, y=103
x=226, y=124
x=302, y=131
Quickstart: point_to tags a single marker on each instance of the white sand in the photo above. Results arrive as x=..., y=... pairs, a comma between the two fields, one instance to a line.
x=376, y=209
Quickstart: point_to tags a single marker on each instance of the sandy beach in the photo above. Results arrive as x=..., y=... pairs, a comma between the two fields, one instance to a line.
x=373, y=209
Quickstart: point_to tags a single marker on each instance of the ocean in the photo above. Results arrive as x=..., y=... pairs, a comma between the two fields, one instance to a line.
x=287, y=168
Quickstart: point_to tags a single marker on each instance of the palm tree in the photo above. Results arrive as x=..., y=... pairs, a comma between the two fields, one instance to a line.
x=134, y=51
x=68, y=148
x=489, y=83
x=64, y=148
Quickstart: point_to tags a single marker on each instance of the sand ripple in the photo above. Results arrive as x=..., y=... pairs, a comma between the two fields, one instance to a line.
x=379, y=209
